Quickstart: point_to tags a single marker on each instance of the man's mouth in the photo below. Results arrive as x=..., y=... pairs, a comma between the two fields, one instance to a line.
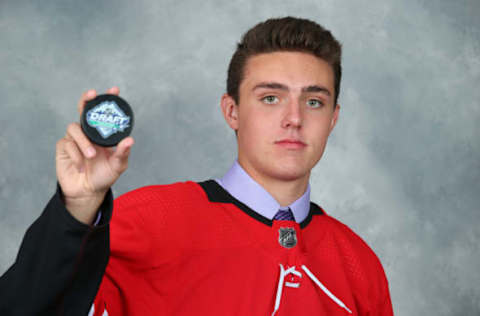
x=291, y=143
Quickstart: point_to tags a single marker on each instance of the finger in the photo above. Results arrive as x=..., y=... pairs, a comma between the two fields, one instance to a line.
x=113, y=90
x=75, y=154
x=75, y=133
x=86, y=96
x=119, y=159
x=67, y=150
x=123, y=148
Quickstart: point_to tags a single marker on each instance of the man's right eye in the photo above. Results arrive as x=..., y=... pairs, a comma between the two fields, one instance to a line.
x=270, y=99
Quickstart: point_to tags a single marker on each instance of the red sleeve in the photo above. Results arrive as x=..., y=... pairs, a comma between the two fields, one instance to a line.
x=385, y=308
x=130, y=255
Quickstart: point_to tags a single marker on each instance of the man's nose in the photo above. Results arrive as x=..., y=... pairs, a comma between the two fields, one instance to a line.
x=293, y=116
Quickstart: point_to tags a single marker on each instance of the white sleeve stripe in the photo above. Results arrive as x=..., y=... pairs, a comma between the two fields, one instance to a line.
x=92, y=311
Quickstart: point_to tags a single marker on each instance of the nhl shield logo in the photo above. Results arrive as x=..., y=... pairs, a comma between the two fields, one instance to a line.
x=107, y=118
x=287, y=237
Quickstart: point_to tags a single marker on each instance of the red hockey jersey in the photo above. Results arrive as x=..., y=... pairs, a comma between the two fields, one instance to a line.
x=192, y=249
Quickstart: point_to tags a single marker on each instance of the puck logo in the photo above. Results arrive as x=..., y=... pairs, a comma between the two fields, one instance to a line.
x=107, y=118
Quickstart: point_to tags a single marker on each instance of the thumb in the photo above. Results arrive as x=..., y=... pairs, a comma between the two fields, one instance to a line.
x=119, y=159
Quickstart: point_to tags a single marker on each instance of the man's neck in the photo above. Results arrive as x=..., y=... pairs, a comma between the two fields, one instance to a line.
x=283, y=191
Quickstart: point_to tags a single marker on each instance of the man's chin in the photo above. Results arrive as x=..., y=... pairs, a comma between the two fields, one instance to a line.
x=291, y=173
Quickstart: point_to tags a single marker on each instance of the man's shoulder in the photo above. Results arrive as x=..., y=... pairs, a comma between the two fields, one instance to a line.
x=349, y=242
x=342, y=246
x=153, y=218
x=156, y=207
x=160, y=193
x=345, y=231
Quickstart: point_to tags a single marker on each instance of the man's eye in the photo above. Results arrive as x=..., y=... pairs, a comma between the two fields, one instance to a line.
x=314, y=103
x=270, y=99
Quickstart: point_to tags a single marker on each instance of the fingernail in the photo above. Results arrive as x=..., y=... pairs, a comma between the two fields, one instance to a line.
x=90, y=152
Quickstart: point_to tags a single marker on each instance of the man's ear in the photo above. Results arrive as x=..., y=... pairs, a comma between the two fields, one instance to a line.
x=230, y=111
x=334, y=120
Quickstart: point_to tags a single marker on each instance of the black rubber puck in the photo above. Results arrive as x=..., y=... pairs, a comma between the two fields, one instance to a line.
x=107, y=119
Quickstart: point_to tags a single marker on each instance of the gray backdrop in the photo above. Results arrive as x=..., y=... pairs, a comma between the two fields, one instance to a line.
x=401, y=168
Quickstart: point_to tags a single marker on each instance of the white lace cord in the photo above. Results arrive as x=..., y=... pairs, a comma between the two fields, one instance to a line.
x=324, y=289
x=281, y=278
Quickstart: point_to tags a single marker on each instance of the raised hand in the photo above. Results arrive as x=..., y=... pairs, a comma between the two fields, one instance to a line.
x=86, y=171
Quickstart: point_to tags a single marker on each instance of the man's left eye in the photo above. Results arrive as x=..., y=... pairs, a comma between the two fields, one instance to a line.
x=314, y=103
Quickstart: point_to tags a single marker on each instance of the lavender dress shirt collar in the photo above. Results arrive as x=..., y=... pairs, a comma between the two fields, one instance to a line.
x=241, y=186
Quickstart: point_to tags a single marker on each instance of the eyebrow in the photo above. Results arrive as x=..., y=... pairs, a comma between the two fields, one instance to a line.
x=279, y=86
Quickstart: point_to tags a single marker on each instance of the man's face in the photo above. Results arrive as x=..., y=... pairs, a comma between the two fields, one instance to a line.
x=284, y=116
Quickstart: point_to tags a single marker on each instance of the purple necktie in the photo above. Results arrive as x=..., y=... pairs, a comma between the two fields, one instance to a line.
x=284, y=215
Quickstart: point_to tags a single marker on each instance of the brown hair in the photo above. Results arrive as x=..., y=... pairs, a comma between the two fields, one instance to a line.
x=284, y=34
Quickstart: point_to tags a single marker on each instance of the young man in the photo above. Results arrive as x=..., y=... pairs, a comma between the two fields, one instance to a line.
x=250, y=243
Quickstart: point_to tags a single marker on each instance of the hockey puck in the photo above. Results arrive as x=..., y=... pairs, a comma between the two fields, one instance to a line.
x=107, y=119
